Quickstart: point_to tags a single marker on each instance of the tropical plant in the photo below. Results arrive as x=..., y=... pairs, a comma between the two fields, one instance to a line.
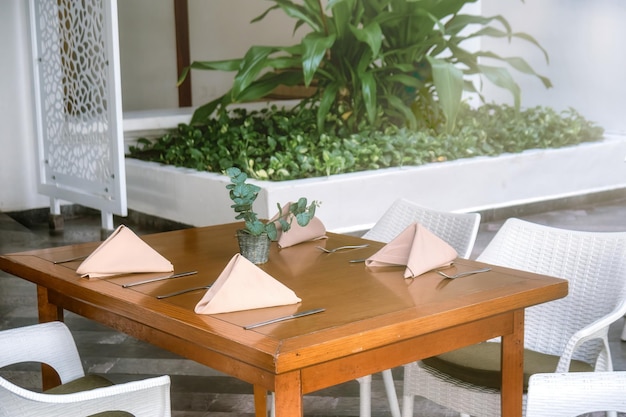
x=244, y=194
x=375, y=63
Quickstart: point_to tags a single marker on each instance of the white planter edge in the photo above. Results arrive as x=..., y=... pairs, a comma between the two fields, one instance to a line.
x=352, y=202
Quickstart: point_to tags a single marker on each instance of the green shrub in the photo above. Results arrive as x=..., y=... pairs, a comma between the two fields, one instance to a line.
x=283, y=144
x=376, y=62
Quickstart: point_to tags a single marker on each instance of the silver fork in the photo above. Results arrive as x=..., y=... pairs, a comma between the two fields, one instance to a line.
x=463, y=274
x=342, y=247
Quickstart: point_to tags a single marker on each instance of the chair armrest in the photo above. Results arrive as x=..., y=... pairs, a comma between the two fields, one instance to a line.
x=575, y=393
x=146, y=398
x=596, y=330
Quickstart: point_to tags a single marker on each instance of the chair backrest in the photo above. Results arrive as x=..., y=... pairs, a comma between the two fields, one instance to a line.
x=594, y=263
x=459, y=230
x=575, y=393
x=54, y=346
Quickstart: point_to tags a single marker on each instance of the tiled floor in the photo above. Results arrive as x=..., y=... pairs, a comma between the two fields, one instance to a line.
x=198, y=390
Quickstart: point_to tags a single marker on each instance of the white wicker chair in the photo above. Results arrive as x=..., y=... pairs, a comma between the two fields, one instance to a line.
x=573, y=328
x=459, y=230
x=53, y=344
x=575, y=393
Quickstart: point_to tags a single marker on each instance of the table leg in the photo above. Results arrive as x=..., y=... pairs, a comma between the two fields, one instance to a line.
x=513, y=368
x=260, y=401
x=48, y=312
x=288, y=395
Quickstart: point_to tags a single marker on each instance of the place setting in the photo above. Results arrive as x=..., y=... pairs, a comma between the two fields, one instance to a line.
x=241, y=286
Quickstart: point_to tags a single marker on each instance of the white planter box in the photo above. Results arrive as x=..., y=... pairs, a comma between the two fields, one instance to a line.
x=352, y=202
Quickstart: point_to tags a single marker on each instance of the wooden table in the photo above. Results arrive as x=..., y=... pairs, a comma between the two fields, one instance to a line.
x=374, y=319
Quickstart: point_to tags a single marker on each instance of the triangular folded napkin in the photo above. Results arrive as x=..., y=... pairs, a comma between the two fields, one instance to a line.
x=299, y=234
x=244, y=286
x=417, y=248
x=123, y=253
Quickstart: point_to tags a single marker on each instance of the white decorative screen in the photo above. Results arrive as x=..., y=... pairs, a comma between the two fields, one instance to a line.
x=78, y=102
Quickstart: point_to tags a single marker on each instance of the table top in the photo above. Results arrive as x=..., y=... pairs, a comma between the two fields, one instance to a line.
x=365, y=308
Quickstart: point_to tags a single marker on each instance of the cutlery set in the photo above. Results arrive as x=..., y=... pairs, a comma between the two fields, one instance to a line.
x=278, y=319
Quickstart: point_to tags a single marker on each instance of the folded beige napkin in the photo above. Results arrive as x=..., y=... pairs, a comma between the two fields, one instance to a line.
x=244, y=286
x=123, y=253
x=417, y=248
x=298, y=234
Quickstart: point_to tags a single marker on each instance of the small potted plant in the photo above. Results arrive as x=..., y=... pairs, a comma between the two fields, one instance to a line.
x=254, y=239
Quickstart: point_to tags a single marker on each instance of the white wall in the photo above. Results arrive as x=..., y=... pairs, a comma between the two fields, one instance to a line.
x=219, y=29
x=147, y=54
x=584, y=39
x=18, y=170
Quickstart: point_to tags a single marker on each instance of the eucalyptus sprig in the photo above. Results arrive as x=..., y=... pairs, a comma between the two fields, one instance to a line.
x=244, y=194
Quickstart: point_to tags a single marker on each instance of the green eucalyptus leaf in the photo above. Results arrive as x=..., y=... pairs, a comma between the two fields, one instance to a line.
x=255, y=227
x=272, y=231
x=303, y=219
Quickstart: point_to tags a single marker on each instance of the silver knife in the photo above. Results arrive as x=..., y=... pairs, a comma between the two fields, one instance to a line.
x=75, y=258
x=182, y=274
x=289, y=317
x=185, y=291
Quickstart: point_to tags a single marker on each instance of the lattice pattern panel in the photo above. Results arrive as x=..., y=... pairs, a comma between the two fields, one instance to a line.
x=78, y=137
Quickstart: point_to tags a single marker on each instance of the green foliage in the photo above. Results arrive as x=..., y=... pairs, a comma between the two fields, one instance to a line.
x=375, y=63
x=244, y=194
x=278, y=144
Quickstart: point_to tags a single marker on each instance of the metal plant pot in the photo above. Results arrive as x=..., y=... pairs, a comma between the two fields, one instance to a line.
x=254, y=248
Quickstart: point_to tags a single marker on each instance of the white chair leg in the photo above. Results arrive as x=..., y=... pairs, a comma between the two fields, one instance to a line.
x=271, y=404
x=623, y=337
x=365, y=396
x=392, y=397
x=408, y=401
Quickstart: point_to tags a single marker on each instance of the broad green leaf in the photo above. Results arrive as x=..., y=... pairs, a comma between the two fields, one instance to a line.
x=460, y=22
x=251, y=66
x=315, y=47
x=368, y=88
x=519, y=64
x=262, y=15
x=266, y=84
x=399, y=106
x=328, y=98
x=502, y=78
x=448, y=81
x=226, y=65
x=407, y=80
x=371, y=34
x=202, y=113
x=302, y=13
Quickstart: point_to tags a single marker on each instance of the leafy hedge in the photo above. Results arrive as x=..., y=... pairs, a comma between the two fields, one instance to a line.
x=282, y=144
